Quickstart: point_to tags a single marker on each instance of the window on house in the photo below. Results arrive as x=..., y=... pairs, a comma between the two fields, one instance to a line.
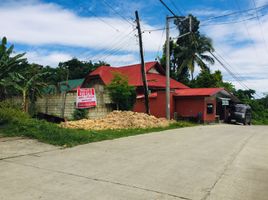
x=210, y=108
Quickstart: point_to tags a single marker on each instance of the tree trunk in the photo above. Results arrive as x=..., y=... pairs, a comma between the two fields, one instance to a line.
x=24, y=101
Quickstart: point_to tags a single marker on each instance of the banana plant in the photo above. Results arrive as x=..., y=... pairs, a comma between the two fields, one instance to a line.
x=8, y=63
x=24, y=85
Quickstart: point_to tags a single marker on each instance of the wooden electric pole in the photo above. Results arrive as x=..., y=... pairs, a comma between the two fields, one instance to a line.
x=143, y=73
x=167, y=70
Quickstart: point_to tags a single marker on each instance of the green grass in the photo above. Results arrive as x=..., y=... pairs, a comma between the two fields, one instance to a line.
x=13, y=123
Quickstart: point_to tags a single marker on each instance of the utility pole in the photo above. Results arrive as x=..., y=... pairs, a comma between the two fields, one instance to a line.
x=181, y=18
x=167, y=71
x=144, y=80
x=168, y=57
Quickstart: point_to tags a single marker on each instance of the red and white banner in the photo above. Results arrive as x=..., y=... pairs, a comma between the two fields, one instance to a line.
x=86, y=98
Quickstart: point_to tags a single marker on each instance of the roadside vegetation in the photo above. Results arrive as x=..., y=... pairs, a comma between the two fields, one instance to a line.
x=14, y=122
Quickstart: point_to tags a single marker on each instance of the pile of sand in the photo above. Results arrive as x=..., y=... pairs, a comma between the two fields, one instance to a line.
x=118, y=120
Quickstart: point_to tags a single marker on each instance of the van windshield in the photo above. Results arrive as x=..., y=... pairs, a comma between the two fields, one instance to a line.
x=240, y=109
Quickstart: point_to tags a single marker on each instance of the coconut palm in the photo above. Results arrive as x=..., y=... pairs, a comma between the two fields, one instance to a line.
x=190, y=50
x=195, y=53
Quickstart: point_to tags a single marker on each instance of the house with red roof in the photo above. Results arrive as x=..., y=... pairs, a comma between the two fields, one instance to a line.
x=204, y=103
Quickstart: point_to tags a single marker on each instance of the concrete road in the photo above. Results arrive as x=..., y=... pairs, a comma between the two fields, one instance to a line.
x=217, y=162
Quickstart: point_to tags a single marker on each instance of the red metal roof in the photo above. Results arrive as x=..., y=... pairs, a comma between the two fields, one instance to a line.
x=133, y=72
x=197, y=92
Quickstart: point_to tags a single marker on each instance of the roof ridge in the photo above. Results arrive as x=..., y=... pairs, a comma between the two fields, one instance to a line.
x=133, y=65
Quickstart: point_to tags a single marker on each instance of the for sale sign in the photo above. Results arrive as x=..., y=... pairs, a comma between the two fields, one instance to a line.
x=86, y=98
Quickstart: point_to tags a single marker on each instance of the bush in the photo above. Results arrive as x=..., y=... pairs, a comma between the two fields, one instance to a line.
x=10, y=113
x=10, y=104
x=80, y=114
x=122, y=94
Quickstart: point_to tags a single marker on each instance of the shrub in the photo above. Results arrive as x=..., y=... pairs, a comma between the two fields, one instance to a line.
x=80, y=114
x=122, y=94
x=10, y=104
x=9, y=114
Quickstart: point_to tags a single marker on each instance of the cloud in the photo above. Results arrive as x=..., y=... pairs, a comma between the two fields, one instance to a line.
x=208, y=12
x=47, y=23
x=44, y=58
x=244, y=46
x=54, y=57
x=260, y=2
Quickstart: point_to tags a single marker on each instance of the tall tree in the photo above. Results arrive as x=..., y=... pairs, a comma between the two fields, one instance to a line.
x=193, y=48
x=190, y=50
x=77, y=69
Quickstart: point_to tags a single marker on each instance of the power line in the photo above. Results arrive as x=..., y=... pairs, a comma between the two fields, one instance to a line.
x=235, y=76
x=229, y=71
x=114, y=45
x=237, y=12
x=261, y=30
x=158, y=29
x=115, y=11
x=168, y=8
x=119, y=47
x=247, y=29
x=104, y=21
x=179, y=11
x=212, y=24
x=231, y=22
x=157, y=54
x=225, y=67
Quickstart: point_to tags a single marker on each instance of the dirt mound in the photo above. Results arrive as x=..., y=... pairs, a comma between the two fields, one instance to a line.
x=119, y=120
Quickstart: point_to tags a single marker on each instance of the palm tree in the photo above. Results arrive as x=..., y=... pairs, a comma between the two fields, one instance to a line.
x=195, y=53
x=190, y=50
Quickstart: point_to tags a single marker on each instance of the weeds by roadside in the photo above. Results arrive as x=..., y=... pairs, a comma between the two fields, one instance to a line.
x=15, y=123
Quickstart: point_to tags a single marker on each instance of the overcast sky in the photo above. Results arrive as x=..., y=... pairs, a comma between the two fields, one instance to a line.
x=50, y=31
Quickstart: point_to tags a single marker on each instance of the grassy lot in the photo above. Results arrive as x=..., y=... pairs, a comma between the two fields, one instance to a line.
x=16, y=123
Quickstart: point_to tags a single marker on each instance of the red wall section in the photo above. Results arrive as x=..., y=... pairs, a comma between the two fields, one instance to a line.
x=210, y=117
x=184, y=106
x=191, y=106
x=157, y=105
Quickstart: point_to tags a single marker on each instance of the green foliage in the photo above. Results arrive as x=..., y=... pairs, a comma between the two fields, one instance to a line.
x=8, y=63
x=206, y=79
x=28, y=83
x=10, y=113
x=245, y=95
x=16, y=123
x=122, y=94
x=188, y=52
x=80, y=114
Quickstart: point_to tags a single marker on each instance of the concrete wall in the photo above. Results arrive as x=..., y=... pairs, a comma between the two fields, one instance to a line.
x=53, y=104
